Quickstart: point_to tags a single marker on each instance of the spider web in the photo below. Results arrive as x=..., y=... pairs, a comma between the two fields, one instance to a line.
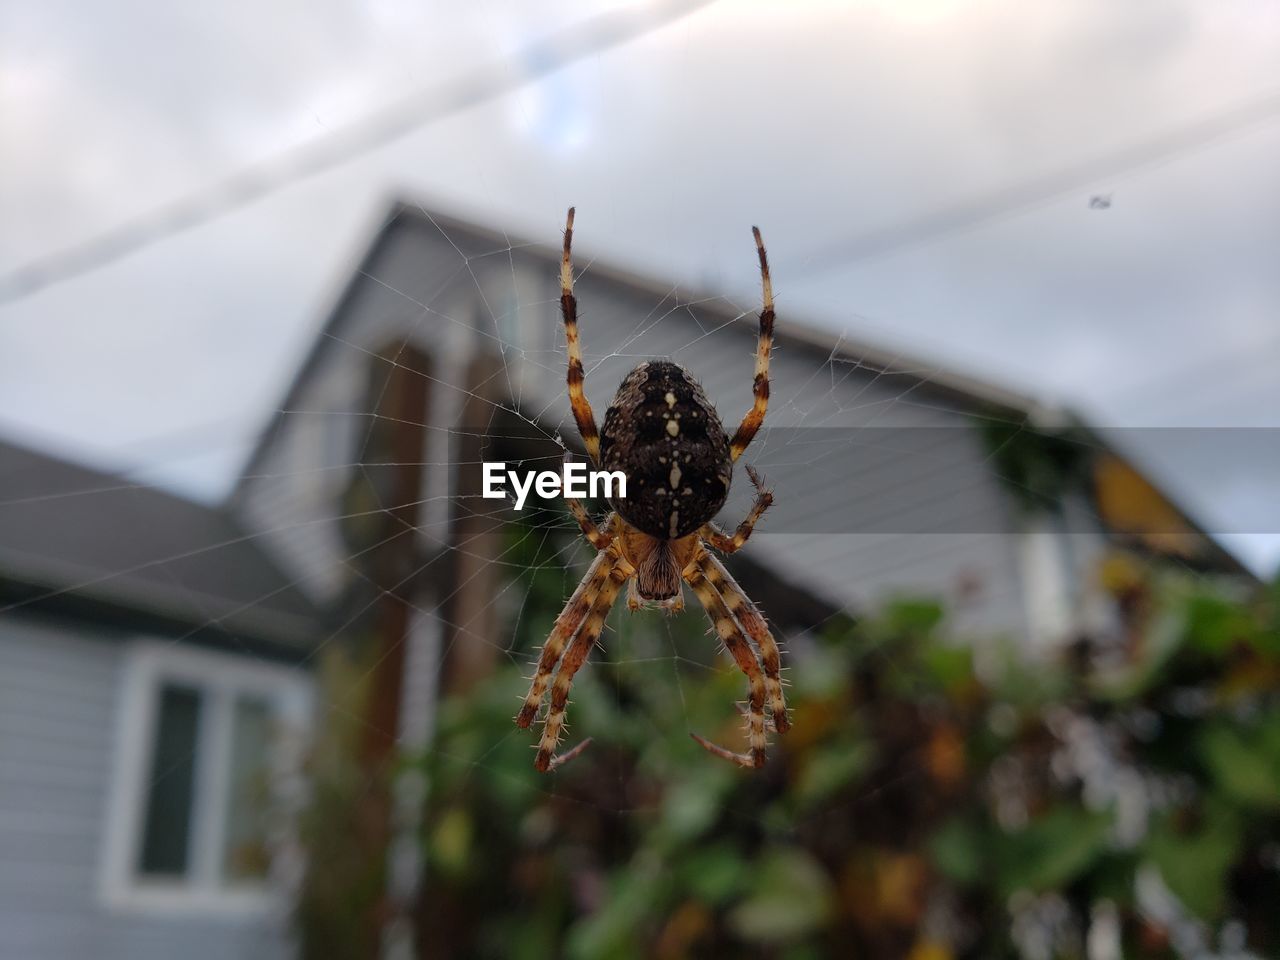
x=827, y=398
x=830, y=399
x=498, y=299
x=646, y=649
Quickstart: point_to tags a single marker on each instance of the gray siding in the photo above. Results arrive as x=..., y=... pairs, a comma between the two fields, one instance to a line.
x=58, y=703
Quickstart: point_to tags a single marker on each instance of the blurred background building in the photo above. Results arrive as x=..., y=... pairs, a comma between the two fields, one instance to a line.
x=173, y=645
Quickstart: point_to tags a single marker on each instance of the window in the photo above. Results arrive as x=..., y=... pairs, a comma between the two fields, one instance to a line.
x=171, y=784
x=208, y=756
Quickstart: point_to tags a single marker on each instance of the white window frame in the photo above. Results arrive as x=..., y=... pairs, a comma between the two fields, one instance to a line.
x=148, y=666
x=1046, y=582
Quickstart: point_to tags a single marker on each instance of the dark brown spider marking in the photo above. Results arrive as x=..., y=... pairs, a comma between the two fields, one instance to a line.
x=664, y=434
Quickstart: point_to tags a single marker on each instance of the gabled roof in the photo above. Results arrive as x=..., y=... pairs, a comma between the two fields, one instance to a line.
x=77, y=537
x=969, y=391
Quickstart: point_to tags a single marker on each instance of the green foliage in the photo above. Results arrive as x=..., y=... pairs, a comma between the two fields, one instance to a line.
x=790, y=895
x=960, y=851
x=1194, y=862
x=1038, y=467
x=915, y=808
x=343, y=885
x=1051, y=851
x=1244, y=762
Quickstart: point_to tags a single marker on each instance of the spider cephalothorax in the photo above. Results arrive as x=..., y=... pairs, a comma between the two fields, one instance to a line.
x=663, y=433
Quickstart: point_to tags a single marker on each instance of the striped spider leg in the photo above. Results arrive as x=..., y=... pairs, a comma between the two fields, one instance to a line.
x=735, y=641
x=764, y=349
x=583, y=415
x=665, y=435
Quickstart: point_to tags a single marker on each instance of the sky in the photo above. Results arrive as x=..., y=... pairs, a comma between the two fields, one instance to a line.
x=842, y=129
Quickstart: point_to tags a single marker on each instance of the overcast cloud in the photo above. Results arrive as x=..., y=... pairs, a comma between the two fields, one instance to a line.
x=822, y=122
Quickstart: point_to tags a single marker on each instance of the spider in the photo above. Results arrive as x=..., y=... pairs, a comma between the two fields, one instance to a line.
x=666, y=437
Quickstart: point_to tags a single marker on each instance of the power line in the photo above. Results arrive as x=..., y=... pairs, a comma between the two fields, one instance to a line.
x=971, y=213
x=250, y=184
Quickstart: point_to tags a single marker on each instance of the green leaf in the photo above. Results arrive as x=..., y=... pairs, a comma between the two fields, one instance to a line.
x=690, y=807
x=609, y=932
x=1214, y=624
x=792, y=898
x=912, y=616
x=715, y=874
x=958, y=851
x=1246, y=769
x=949, y=666
x=831, y=768
x=1053, y=850
x=1194, y=865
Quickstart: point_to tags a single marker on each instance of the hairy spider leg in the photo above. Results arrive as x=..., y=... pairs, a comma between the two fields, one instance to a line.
x=573, y=660
x=764, y=347
x=732, y=544
x=752, y=621
x=578, y=402
x=736, y=643
x=600, y=539
x=566, y=625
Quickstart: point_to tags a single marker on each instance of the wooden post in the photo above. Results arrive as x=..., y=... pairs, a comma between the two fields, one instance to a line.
x=471, y=645
x=399, y=438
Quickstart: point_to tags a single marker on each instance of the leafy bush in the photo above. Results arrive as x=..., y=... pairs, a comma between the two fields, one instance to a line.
x=1127, y=798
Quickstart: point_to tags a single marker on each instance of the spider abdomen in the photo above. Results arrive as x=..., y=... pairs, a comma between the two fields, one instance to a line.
x=664, y=434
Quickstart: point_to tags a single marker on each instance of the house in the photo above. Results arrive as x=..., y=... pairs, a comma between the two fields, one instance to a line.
x=892, y=475
x=152, y=666
x=155, y=654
